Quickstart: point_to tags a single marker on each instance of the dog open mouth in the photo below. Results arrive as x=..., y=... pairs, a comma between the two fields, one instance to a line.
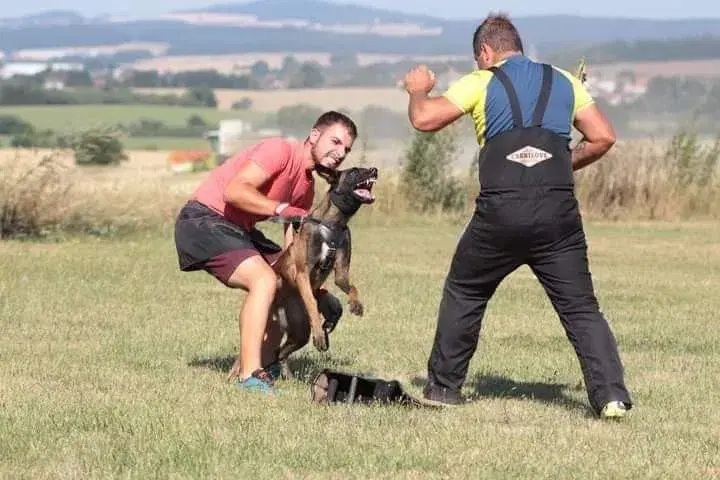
x=363, y=190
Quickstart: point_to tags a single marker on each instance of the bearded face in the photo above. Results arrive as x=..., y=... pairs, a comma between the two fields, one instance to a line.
x=331, y=146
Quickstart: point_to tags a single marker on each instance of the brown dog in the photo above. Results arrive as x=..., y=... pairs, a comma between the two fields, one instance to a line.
x=321, y=245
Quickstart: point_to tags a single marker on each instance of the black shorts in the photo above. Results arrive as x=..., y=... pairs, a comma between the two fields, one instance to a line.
x=205, y=240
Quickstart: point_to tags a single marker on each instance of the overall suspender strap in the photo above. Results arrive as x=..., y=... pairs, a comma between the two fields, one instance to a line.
x=512, y=96
x=544, y=96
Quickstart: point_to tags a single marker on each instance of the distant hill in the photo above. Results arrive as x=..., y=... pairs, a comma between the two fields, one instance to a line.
x=318, y=26
x=48, y=17
x=705, y=47
x=318, y=11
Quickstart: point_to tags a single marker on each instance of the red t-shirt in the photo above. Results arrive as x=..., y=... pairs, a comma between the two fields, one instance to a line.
x=289, y=182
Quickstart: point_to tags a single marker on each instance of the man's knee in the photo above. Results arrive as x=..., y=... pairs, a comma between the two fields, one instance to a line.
x=251, y=273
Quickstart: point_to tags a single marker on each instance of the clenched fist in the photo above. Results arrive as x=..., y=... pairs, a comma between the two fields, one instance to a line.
x=419, y=80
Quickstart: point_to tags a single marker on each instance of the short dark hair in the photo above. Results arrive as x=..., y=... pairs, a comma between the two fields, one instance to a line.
x=498, y=32
x=333, y=117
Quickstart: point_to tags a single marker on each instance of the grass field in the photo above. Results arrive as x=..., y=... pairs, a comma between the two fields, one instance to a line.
x=113, y=365
x=68, y=118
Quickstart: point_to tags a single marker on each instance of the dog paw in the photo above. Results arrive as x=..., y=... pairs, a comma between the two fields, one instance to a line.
x=320, y=341
x=356, y=308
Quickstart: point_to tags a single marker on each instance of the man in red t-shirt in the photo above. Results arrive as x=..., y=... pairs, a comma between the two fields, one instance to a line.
x=215, y=231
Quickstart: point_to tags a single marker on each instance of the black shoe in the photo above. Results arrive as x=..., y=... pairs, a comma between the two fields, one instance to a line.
x=441, y=395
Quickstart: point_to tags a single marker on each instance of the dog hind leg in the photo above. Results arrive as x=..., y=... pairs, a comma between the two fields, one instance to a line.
x=297, y=329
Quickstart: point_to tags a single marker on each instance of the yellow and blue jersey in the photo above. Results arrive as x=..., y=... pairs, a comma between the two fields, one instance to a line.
x=481, y=94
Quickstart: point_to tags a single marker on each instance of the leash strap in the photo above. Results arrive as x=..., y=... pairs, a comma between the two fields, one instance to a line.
x=278, y=219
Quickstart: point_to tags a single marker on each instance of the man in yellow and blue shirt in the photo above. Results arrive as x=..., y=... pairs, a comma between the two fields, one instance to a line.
x=526, y=211
x=471, y=93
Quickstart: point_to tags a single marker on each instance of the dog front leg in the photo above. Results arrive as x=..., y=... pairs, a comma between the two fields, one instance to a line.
x=306, y=293
x=342, y=277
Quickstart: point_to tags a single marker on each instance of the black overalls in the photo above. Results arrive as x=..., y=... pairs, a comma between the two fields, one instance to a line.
x=526, y=213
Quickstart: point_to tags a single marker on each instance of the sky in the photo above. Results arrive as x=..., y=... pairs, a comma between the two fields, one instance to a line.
x=451, y=8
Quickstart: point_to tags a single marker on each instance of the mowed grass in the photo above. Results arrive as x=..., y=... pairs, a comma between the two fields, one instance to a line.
x=70, y=118
x=113, y=364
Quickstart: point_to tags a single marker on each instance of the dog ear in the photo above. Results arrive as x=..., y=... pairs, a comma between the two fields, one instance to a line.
x=327, y=174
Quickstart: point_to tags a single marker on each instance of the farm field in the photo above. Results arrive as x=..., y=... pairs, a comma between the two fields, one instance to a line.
x=232, y=63
x=68, y=118
x=145, y=143
x=114, y=364
x=75, y=118
x=690, y=68
x=268, y=101
x=164, y=143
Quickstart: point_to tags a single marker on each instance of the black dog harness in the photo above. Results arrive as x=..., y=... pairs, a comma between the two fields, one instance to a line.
x=333, y=237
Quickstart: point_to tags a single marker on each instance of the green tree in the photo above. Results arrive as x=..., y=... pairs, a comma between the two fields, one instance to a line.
x=427, y=180
x=203, y=95
x=98, y=146
x=260, y=69
x=195, y=121
x=290, y=66
x=309, y=75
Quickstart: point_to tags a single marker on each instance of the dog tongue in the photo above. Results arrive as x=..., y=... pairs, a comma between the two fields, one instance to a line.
x=363, y=192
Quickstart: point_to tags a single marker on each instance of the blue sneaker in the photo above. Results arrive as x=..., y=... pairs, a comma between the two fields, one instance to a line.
x=258, y=381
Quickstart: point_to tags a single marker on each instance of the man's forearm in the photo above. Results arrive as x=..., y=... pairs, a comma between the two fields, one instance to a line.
x=249, y=199
x=586, y=153
x=417, y=107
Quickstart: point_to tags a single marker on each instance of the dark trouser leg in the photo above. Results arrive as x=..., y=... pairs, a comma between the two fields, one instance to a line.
x=564, y=274
x=478, y=266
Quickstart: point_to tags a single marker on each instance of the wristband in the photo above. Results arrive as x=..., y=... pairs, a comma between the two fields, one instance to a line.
x=281, y=207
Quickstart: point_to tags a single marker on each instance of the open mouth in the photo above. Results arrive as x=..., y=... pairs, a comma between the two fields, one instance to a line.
x=329, y=161
x=363, y=190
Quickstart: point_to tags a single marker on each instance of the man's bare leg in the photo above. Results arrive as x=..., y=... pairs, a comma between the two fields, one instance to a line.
x=256, y=277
